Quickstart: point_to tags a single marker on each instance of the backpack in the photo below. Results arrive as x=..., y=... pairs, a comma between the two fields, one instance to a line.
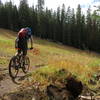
x=22, y=33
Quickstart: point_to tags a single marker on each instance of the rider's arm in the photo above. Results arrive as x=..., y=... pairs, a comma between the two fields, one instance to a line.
x=31, y=40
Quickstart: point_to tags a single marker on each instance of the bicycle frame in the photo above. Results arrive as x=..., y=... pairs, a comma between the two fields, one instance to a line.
x=17, y=62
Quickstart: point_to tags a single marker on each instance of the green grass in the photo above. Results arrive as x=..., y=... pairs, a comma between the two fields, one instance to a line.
x=51, y=58
x=6, y=46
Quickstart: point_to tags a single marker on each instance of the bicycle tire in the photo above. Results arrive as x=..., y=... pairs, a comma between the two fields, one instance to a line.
x=26, y=66
x=13, y=75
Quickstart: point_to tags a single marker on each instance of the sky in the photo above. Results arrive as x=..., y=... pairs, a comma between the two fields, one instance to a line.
x=72, y=3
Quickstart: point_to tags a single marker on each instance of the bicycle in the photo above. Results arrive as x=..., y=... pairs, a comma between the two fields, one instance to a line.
x=17, y=62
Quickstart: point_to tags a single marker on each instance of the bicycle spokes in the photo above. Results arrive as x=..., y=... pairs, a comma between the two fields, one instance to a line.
x=13, y=67
x=17, y=62
x=26, y=65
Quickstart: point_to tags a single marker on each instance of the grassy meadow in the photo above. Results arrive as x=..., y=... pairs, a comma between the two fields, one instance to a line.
x=52, y=60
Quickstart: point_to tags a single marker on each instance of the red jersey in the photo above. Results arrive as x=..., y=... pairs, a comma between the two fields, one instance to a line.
x=22, y=33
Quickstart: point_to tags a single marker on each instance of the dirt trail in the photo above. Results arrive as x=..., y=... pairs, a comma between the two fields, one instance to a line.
x=7, y=85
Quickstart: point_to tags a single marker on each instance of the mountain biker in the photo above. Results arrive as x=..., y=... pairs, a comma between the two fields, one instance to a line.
x=22, y=39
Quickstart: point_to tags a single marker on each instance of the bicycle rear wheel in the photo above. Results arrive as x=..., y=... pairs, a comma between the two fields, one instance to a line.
x=13, y=67
x=26, y=66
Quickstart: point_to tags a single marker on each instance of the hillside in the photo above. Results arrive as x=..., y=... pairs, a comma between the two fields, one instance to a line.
x=47, y=60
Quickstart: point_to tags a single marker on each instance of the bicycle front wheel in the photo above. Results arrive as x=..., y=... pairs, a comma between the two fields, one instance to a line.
x=26, y=66
x=13, y=68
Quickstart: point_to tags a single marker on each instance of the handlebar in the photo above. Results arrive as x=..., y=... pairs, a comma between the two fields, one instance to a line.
x=27, y=48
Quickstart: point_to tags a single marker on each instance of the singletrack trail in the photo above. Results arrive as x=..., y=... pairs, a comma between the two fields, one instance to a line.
x=7, y=85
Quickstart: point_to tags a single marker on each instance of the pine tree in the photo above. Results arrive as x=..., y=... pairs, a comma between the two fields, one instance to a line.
x=58, y=28
x=88, y=27
x=62, y=25
x=40, y=16
x=40, y=5
x=73, y=28
x=78, y=26
x=15, y=18
x=0, y=2
x=34, y=20
x=1, y=5
x=68, y=26
x=24, y=14
x=83, y=33
x=9, y=10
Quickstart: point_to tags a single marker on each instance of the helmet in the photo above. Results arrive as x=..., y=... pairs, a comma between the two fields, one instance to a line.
x=29, y=30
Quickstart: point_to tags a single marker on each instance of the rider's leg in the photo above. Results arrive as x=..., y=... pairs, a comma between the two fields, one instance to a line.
x=18, y=52
x=17, y=62
x=25, y=49
x=18, y=48
x=24, y=54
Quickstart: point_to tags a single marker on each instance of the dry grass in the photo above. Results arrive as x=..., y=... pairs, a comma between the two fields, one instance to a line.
x=53, y=56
